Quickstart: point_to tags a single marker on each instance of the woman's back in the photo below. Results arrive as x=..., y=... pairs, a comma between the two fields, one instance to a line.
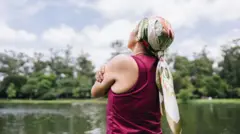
x=137, y=110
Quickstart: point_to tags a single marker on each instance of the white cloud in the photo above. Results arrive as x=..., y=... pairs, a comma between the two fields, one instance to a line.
x=188, y=47
x=13, y=9
x=196, y=44
x=32, y=9
x=119, y=29
x=91, y=39
x=61, y=36
x=178, y=12
x=229, y=36
x=9, y=35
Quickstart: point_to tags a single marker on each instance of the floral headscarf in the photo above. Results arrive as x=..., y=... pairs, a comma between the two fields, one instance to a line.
x=157, y=35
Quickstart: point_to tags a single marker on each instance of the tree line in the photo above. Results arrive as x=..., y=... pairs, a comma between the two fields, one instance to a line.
x=61, y=75
x=199, y=79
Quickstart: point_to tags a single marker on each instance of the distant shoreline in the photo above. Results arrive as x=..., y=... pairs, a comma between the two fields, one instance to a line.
x=59, y=101
x=214, y=101
x=104, y=101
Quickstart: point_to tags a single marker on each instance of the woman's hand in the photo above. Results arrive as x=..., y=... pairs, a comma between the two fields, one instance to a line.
x=99, y=74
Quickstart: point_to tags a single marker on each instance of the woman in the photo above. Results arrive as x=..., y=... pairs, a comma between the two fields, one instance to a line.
x=133, y=82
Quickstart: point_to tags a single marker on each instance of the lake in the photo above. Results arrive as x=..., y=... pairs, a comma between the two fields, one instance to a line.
x=89, y=118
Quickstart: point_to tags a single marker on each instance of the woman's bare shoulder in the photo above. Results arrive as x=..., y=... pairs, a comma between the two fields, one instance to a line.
x=121, y=62
x=125, y=73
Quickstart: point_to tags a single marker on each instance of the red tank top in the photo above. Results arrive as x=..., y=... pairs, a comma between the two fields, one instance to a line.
x=137, y=111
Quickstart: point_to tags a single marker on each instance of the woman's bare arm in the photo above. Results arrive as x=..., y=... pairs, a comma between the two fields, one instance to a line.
x=113, y=69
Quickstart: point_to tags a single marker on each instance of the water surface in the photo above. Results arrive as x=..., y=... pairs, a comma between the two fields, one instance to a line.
x=87, y=118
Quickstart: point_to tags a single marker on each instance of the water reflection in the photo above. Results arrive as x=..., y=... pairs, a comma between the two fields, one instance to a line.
x=84, y=118
x=59, y=119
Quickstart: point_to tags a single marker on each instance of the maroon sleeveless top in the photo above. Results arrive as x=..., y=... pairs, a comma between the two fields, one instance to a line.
x=138, y=110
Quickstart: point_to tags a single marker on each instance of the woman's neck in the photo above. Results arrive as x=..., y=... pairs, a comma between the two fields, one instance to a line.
x=138, y=49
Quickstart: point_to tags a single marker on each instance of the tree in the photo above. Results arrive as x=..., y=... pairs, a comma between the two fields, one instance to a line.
x=118, y=48
x=185, y=95
x=85, y=69
x=38, y=64
x=12, y=63
x=11, y=91
x=30, y=88
x=17, y=80
x=65, y=87
x=231, y=64
x=215, y=86
x=201, y=67
x=182, y=65
x=61, y=65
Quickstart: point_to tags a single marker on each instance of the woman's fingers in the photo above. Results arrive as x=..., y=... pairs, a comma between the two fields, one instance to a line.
x=100, y=74
x=102, y=71
x=97, y=76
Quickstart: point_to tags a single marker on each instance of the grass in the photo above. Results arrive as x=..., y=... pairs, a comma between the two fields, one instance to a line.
x=216, y=101
x=104, y=101
x=59, y=101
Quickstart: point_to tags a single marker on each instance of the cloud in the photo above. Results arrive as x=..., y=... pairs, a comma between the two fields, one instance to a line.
x=189, y=46
x=9, y=35
x=92, y=39
x=181, y=13
x=32, y=9
x=14, y=9
x=229, y=36
x=61, y=36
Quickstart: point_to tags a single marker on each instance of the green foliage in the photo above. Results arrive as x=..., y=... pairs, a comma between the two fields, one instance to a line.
x=46, y=79
x=183, y=64
x=30, y=88
x=43, y=87
x=65, y=76
x=17, y=80
x=11, y=91
x=75, y=92
x=181, y=82
x=215, y=86
x=12, y=63
x=230, y=65
x=50, y=95
x=85, y=82
x=84, y=66
x=238, y=92
x=185, y=95
x=203, y=80
x=67, y=82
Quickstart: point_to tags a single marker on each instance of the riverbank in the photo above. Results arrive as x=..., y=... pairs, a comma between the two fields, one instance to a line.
x=59, y=101
x=217, y=101
x=104, y=101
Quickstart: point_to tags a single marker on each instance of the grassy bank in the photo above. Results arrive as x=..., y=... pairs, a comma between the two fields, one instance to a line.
x=217, y=101
x=104, y=101
x=60, y=101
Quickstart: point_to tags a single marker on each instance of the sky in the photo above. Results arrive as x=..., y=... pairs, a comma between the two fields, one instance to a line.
x=91, y=25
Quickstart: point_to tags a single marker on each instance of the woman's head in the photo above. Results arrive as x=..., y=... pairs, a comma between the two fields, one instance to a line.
x=154, y=33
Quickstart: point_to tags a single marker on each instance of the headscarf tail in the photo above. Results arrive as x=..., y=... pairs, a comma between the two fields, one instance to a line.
x=167, y=97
